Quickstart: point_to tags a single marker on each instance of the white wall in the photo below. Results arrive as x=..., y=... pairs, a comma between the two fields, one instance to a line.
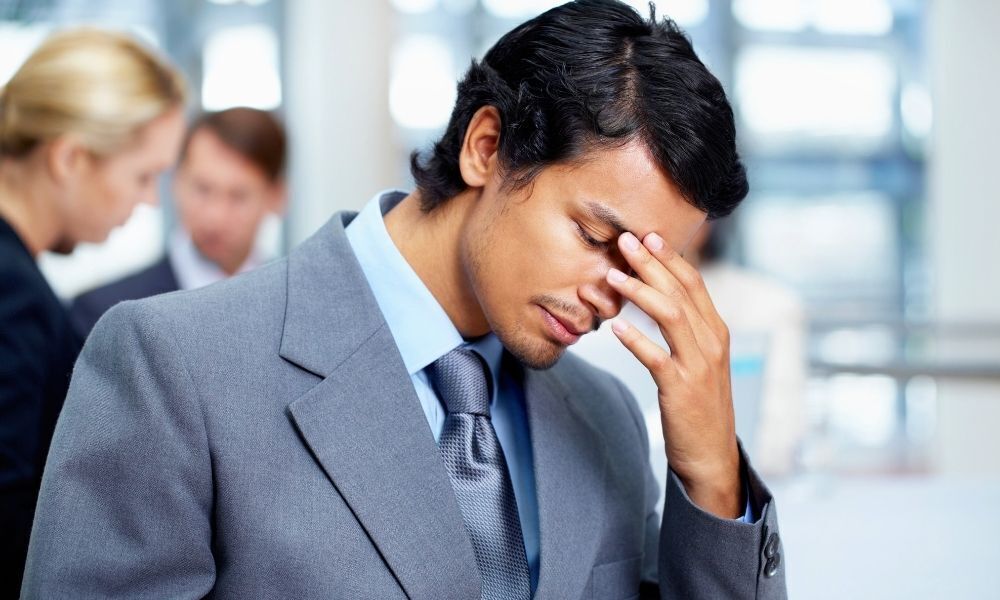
x=964, y=215
x=337, y=57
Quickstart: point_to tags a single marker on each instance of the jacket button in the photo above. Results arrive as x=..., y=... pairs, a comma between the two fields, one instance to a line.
x=772, y=565
x=771, y=548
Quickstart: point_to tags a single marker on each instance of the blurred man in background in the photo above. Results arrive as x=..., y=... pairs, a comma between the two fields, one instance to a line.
x=229, y=178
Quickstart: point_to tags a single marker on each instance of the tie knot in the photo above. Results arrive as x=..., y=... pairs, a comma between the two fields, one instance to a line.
x=461, y=381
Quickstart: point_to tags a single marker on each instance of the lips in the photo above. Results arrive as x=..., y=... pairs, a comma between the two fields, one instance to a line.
x=568, y=325
x=561, y=329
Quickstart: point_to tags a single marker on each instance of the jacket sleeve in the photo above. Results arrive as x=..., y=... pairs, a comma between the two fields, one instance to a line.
x=126, y=498
x=691, y=554
x=25, y=365
x=703, y=556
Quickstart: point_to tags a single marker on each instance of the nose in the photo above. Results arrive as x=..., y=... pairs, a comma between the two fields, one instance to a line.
x=598, y=293
x=603, y=300
x=152, y=198
x=214, y=214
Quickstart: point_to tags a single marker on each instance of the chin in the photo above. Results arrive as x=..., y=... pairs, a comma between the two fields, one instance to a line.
x=63, y=246
x=533, y=352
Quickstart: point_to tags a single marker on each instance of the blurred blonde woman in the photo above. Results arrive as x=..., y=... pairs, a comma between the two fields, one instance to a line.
x=86, y=125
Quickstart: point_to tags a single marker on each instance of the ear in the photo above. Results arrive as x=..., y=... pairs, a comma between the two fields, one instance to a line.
x=65, y=158
x=478, y=157
x=278, y=199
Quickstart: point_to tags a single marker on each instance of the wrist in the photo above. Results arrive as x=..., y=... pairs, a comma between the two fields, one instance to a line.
x=725, y=502
x=718, y=490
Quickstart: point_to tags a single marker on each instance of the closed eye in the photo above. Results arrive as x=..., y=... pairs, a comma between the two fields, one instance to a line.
x=590, y=240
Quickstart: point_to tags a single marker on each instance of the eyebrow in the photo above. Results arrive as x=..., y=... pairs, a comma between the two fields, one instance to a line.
x=606, y=215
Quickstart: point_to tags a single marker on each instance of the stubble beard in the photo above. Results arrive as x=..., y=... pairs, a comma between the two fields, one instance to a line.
x=530, y=350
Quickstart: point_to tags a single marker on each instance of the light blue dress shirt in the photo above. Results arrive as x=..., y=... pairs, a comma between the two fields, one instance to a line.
x=424, y=333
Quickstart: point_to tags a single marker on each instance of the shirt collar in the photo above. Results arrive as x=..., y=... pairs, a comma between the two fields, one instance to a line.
x=419, y=325
x=192, y=269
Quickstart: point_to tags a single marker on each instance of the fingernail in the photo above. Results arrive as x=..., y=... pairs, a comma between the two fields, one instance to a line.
x=630, y=242
x=654, y=242
x=619, y=326
x=617, y=276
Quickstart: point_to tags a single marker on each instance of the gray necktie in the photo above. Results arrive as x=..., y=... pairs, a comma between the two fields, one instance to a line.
x=478, y=472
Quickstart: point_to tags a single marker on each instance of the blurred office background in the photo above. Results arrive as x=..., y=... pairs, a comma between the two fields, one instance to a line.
x=869, y=130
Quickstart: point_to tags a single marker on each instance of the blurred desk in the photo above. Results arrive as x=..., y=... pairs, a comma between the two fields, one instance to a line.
x=942, y=378
x=885, y=538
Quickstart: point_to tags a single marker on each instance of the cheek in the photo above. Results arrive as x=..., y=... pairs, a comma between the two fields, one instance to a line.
x=556, y=254
x=541, y=255
x=117, y=192
x=95, y=199
x=254, y=213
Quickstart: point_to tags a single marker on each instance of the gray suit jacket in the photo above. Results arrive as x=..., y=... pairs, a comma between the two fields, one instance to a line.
x=261, y=438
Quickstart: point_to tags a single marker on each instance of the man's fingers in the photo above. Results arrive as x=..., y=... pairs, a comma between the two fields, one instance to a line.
x=689, y=278
x=650, y=269
x=651, y=355
x=667, y=312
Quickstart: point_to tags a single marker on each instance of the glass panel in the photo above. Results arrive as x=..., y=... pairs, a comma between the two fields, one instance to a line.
x=862, y=408
x=241, y=69
x=414, y=7
x=16, y=43
x=685, y=12
x=921, y=408
x=247, y=2
x=458, y=7
x=421, y=82
x=827, y=245
x=778, y=15
x=518, y=9
x=857, y=17
x=916, y=110
x=872, y=345
x=807, y=96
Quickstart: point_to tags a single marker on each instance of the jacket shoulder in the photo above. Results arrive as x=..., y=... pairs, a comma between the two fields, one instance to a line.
x=232, y=309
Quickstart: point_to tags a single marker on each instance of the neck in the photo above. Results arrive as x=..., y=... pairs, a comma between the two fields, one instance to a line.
x=432, y=245
x=231, y=267
x=27, y=206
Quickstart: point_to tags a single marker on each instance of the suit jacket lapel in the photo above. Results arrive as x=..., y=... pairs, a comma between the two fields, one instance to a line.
x=569, y=461
x=364, y=425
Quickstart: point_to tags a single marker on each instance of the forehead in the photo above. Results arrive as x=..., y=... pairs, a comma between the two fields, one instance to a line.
x=211, y=157
x=626, y=185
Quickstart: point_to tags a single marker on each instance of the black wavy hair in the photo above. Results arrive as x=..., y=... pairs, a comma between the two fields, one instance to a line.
x=595, y=74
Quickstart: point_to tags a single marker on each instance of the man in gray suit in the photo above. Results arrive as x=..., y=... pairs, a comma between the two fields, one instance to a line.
x=390, y=413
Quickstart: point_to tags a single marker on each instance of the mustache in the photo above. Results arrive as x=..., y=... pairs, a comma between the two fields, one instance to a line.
x=570, y=310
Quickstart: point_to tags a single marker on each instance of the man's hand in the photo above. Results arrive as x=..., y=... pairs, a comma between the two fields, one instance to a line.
x=695, y=395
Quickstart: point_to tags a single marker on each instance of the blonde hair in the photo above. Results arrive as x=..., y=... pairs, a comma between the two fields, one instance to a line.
x=99, y=86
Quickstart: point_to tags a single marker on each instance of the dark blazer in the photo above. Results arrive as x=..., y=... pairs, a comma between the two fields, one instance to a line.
x=87, y=308
x=37, y=349
x=261, y=438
